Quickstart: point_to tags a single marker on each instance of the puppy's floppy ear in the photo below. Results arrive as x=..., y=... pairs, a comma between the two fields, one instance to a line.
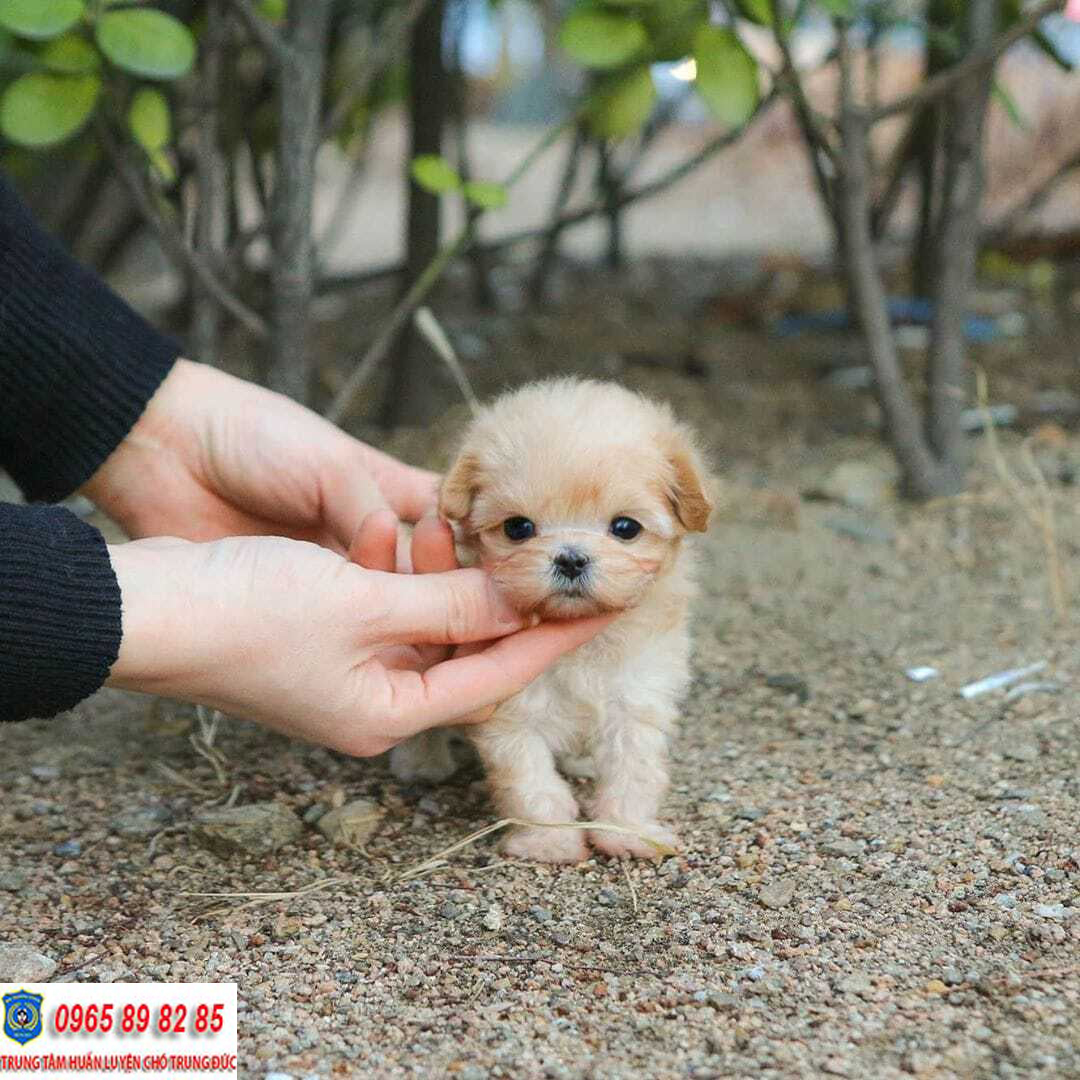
x=459, y=488
x=688, y=481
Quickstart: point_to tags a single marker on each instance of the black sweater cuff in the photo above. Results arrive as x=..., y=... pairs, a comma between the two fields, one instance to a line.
x=60, y=615
x=77, y=365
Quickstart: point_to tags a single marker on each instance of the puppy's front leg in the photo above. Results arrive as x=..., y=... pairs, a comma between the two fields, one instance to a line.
x=525, y=784
x=632, y=777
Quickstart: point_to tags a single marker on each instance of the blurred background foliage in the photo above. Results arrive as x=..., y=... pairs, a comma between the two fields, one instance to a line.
x=194, y=130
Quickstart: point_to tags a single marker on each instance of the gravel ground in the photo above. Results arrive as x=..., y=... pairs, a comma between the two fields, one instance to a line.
x=879, y=878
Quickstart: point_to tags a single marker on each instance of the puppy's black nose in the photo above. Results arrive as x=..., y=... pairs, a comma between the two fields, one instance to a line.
x=571, y=563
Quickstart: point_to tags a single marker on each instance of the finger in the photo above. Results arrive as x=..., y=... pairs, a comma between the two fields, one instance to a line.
x=410, y=492
x=458, y=689
x=437, y=609
x=433, y=546
x=349, y=496
x=375, y=544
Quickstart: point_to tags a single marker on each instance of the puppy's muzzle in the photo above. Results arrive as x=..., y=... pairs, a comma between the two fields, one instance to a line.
x=570, y=564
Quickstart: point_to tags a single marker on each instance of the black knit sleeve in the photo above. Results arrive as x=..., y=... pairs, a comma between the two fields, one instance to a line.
x=77, y=365
x=59, y=611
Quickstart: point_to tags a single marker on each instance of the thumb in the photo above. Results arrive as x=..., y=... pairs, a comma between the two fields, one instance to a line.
x=450, y=608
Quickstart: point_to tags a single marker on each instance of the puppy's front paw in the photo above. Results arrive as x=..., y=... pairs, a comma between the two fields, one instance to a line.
x=546, y=845
x=618, y=844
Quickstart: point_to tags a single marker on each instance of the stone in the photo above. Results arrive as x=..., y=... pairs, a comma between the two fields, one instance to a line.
x=859, y=484
x=351, y=825
x=1054, y=911
x=1020, y=750
x=847, y=849
x=12, y=880
x=140, y=821
x=255, y=829
x=777, y=893
x=23, y=964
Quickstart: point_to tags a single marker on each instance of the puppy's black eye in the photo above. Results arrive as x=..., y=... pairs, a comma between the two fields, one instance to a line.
x=519, y=528
x=625, y=528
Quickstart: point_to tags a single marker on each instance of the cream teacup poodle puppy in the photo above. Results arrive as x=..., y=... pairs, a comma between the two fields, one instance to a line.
x=576, y=497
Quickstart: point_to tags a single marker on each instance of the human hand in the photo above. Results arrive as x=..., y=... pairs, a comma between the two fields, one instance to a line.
x=215, y=456
x=295, y=636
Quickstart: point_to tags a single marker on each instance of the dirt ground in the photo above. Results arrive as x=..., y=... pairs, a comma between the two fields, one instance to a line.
x=879, y=878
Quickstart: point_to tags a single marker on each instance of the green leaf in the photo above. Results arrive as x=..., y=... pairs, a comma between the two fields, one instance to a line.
x=149, y=120
x=70, y=54
x=839, y=9
x=727, y=75
x=756, y=11
x=162, y=166
x=146, y=43
x=434, y=174
x=599, y=39
x=623, y=109
x=671, y=27
x=486, y=195
x=1008, y=103
x=274, y=10
x=42, y=109
x=40, y=19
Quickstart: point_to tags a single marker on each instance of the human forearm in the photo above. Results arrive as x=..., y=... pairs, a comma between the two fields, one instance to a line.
x=59, y=611
x=77, y=365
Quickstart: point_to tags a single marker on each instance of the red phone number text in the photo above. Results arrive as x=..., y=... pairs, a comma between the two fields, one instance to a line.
x=133, y=1019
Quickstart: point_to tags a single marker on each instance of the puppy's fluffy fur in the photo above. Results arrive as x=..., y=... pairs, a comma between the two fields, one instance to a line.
x=572, y=457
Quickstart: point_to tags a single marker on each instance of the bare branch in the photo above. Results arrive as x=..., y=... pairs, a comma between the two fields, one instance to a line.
x=343, y=401
x=577, y=217
x=292, y=271
x=383, y=46
x=942, y=83
x=901, y=416
x=272, y=41
x=1033, y=200
x=170, y=237
x=956, y=243
x=346, y=396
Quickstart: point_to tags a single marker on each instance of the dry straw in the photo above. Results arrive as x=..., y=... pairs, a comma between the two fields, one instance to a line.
x=1036, y=502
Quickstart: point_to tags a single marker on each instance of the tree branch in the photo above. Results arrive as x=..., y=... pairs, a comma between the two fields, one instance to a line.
x=263, y=31
x=902, y=419
x=345, y=398
x=170, y=238
x=956, y=242
x=576, y=217
x=387, y=42
x=941, y=84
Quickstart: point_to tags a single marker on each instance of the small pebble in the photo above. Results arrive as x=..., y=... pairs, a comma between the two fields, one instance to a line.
x=778, y=893
x=450, y=910
x=12, y=881
x=607, y=897
x=69, y=849
x=21, y=963
x=540, y=914
x=141, y=821
x=45, y=773
x=1053, y=911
